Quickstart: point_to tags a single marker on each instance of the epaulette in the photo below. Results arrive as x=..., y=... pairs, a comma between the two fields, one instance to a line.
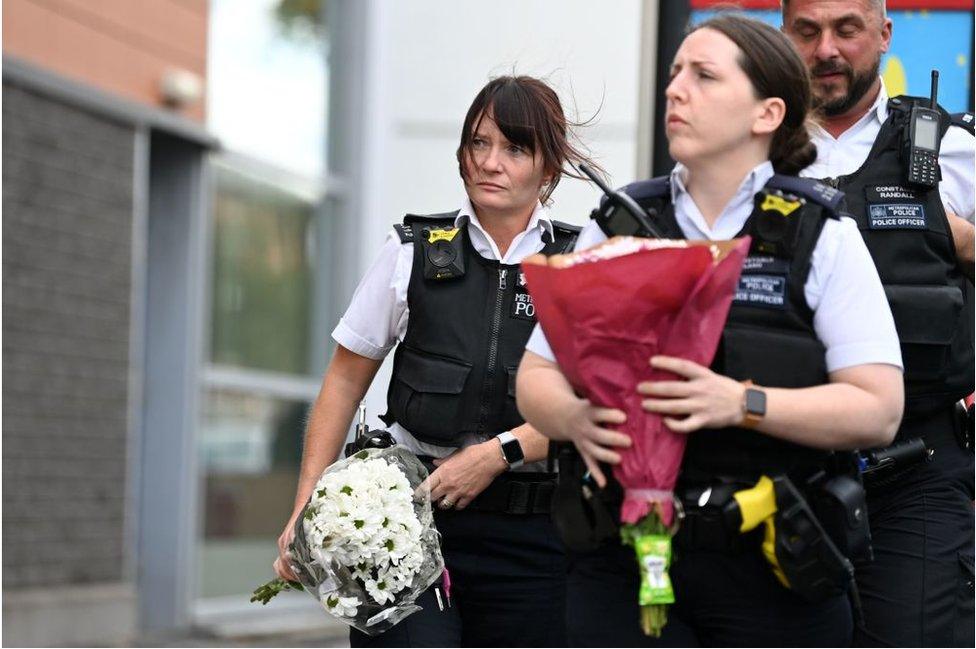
x=646, y=189
x=405, y=231
x=963, y=120
x=824, y=195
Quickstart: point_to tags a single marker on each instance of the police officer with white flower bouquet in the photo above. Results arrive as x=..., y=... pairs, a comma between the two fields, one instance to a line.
x=447, y=292
x=906, y=167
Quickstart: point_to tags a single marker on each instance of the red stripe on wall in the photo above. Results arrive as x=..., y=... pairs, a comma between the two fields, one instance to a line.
x=914, y=5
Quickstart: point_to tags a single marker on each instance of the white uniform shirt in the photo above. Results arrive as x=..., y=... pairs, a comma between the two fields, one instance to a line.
x=846, y=154
x=851, y=314
x=376, y=319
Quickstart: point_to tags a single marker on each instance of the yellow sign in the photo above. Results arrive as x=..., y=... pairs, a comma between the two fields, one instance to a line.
x=784, y=206
x=442, y=235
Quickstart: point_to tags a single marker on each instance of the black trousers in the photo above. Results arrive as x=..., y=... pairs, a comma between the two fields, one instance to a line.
x=721, y=600
x=508, y=576
x=918, y=591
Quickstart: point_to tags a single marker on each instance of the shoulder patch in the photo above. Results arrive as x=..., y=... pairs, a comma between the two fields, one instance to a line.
x=963, y=120
x=810, y=189
x=405, y=232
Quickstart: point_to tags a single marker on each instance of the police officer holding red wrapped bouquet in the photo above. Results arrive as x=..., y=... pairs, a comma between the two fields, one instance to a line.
x=808, y=368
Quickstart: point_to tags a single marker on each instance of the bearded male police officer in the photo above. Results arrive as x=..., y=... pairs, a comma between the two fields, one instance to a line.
x=918, y=591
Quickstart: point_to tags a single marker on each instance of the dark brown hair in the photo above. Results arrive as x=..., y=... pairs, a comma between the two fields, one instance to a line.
x=775, y=69
x=528, y=113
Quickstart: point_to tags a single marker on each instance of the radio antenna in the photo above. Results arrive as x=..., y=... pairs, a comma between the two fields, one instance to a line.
x=935, y=88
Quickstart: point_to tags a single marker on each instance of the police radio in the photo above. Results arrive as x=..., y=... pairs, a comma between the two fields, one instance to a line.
x=922, y=165
x=621, y=214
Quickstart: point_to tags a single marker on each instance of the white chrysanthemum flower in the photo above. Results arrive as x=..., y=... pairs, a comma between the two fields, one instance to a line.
x=363, y=518
x=341, y=606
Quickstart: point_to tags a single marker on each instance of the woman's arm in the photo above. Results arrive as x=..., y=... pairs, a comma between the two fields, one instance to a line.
x=962, y=239
x=464, y=474
x=860, y=408
x=548, y=403
x=344, y=386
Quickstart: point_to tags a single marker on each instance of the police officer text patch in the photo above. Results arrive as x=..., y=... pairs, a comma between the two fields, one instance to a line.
x=763, y=282
x=896, y=216
x=762, y=290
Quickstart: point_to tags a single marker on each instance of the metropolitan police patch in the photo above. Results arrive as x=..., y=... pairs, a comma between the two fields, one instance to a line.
x=522, y=307
x=896, y=216
x=763, y=282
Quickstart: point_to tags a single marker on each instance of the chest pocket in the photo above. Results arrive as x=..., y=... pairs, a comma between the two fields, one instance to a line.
x=763, y=282
x=427, y=393
x=927, y=319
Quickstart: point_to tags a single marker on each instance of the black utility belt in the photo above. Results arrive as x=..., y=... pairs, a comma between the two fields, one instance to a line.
x=519, y=492
x=710, y=528
x=702, y=530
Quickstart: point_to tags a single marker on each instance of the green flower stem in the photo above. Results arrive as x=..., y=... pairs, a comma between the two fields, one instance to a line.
x=264, y=593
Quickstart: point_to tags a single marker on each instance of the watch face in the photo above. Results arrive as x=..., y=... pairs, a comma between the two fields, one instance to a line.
x=513, y=451
x=755, y=402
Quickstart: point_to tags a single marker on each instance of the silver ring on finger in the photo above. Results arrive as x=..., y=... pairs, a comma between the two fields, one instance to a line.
x=446, y=503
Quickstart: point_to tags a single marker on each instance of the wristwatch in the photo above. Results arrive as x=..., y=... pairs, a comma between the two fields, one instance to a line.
x=753, y=406
x=511, y=450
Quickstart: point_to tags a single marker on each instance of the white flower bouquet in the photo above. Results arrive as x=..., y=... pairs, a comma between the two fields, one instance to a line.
x=366, y=546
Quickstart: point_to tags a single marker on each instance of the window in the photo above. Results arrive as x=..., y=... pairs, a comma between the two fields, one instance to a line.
x=266, y=103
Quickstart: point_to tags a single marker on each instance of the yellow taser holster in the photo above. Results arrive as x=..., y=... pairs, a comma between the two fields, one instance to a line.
x=757, y=505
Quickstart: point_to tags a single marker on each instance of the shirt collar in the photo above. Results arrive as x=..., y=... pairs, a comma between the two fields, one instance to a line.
x=540, y=218
x=750, y=186
x=880, y=106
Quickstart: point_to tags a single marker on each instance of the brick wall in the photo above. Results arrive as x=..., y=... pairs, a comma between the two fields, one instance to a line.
x=67, y=213
x=123, y=47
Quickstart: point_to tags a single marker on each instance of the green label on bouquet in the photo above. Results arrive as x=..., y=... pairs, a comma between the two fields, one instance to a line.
x=654, y=558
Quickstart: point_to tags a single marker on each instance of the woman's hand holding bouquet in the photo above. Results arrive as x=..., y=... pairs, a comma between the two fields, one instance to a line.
x=606, y=313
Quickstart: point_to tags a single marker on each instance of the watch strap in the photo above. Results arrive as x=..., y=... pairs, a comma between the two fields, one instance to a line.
x=753, y=405
x=511, y=449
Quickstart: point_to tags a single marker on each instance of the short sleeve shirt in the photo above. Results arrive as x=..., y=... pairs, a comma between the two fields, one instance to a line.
x=377, y=317
x=845, y=155
x=851, y=314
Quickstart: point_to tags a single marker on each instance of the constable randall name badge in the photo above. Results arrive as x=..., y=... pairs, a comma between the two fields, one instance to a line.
x=522, y=307
x=763, y=282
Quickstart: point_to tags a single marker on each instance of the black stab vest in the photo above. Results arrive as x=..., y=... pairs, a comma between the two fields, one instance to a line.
x=454, y=371
x=769, y=336
x=907, y=233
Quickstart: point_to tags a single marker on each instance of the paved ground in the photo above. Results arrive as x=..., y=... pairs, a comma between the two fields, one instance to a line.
x=329, y=638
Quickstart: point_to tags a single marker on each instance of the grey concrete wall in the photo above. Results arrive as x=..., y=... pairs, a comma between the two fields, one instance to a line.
x=67, y=255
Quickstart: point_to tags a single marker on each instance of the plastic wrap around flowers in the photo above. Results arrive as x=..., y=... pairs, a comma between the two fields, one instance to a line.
x=605, y=312
x=366, y=546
